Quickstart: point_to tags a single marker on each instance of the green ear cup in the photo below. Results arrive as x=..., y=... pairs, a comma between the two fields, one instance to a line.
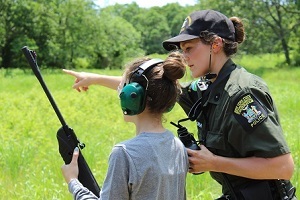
x=132, y=99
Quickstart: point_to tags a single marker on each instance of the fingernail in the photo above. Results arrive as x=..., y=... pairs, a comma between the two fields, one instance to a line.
x=76, y=149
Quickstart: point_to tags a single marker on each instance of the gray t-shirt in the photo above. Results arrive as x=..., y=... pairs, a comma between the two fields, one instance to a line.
x=148, y=166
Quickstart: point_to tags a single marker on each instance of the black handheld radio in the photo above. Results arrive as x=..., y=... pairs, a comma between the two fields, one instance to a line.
x=186, y=138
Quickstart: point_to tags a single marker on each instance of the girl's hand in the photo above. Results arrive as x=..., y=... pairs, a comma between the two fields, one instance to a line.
x=71, y=170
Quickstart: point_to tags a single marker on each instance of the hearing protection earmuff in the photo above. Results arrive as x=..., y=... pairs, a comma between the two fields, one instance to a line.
x=133, y=95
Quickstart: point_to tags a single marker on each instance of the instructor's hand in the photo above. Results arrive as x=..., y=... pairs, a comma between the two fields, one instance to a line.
x=201, y=160
x=71, y=170
x=83, y=79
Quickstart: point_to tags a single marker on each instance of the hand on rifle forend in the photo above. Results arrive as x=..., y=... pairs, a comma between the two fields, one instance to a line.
x=71, y=171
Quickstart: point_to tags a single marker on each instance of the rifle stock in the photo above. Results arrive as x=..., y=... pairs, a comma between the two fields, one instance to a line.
x=67, y=140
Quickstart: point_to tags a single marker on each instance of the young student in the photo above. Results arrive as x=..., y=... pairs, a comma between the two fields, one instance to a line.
x=243, y=146
x=154, y=163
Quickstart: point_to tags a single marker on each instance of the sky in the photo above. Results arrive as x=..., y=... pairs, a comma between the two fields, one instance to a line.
x=144, y=3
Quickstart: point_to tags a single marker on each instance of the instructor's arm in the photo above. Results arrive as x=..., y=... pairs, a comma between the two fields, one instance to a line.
x=84, y=80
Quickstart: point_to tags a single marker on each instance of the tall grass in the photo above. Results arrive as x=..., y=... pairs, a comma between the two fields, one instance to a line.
x=29, y=159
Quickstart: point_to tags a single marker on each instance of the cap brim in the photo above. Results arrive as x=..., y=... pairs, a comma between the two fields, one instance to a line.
x=174, y=43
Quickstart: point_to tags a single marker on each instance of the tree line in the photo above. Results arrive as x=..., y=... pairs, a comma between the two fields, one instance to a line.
x=78, y=34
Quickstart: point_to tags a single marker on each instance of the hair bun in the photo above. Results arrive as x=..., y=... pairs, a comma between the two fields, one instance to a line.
x=239, y=29
x=174, y=66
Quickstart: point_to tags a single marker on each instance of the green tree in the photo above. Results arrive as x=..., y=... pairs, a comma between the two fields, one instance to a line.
x=115, y=41
x=175, y=15
x=13, y=29
x=153, y=27
x=75, y=33
x=126, y=11
x=65, y=33
x=75, y=23
x=280, y=18
x=269, y=23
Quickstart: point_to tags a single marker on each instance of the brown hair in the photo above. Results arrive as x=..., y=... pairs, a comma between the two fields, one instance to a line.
x=163, y=85
x=230, y=47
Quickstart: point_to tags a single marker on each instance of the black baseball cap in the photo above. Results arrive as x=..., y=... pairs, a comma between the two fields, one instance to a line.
x=198, y=21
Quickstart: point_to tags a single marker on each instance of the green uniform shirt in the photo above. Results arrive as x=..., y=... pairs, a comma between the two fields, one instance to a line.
x=238, y=119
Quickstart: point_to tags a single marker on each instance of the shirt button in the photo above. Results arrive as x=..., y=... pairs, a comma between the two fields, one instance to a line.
x=217, y=97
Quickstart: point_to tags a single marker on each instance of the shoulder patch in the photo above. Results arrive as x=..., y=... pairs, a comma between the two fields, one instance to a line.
x=249, y=112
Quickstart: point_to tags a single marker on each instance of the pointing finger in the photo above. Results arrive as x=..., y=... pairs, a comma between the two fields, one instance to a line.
x=70, y=72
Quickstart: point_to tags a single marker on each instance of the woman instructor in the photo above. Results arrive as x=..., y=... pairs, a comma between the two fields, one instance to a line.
x=242, y=142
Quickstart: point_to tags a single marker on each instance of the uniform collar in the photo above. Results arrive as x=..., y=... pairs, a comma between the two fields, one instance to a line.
x=218, y=85
x=213, y=92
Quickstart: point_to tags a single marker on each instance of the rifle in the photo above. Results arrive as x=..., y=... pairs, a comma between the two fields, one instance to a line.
x=67, y=140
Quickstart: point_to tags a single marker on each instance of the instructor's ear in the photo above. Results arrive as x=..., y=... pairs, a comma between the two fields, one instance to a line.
x=217, y=43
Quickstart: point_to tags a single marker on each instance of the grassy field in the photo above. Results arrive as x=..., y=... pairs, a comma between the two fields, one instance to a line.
x=29, y=159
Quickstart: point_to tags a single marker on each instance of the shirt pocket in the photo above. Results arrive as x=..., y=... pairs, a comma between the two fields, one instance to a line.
x=215, y=140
